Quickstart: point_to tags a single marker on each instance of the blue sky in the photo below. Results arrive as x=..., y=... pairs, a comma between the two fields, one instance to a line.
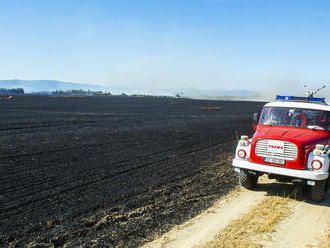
x=204, y=44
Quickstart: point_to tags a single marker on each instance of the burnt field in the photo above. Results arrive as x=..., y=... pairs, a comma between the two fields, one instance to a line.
x=111, y=171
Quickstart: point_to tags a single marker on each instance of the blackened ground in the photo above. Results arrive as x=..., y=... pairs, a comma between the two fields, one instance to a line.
x=111, y=171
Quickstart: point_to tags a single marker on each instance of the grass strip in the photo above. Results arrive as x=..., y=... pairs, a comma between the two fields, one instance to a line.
x=324, y=242
x=253, y=227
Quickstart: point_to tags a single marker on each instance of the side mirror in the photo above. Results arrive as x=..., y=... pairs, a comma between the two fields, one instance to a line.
x=255, y=120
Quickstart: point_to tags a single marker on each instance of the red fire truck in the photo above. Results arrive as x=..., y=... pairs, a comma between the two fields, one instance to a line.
x=290, y=144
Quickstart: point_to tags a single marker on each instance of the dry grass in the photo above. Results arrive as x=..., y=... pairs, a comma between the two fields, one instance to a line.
x=324, y=242
x=255, y=226
x=210, y=108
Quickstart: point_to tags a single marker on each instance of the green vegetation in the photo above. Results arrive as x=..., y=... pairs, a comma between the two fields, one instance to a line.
x=14, y=91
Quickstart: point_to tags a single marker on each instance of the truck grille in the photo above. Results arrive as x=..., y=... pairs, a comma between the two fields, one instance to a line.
x=290, y=150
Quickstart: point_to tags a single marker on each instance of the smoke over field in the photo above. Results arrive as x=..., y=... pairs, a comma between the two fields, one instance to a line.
x=112, y=171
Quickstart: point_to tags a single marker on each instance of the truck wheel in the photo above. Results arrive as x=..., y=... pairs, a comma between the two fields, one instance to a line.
x=255, y=180
x=247, y=180
x=318, y=190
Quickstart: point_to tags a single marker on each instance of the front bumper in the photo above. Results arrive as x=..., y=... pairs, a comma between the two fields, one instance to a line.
x=304, y=174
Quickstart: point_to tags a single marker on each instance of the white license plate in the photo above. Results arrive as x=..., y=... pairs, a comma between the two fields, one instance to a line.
x=275, y=160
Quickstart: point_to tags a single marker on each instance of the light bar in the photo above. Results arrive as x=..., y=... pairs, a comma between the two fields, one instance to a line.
x=315, y=99
x=302, y=99
x=284, y=98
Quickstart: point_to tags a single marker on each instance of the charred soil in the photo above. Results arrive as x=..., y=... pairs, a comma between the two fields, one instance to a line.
x=112, y=171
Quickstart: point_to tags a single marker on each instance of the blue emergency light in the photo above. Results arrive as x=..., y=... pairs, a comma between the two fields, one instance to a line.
x=301, y=99
x=284, y=98
x=317, y=99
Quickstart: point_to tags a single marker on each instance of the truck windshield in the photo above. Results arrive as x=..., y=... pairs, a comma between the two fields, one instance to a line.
x=296, y=117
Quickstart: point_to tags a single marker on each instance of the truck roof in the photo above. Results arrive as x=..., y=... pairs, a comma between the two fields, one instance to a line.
x=294, y=104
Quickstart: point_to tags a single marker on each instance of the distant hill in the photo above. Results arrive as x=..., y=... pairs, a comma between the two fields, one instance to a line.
x=46, y=85
x=30, y=86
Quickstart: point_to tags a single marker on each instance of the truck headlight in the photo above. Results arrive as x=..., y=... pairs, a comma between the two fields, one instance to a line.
x=316, y=164
x=241, y=153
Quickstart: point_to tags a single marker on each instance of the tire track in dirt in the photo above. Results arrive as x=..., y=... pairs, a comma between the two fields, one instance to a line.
x=215, y=227
x=304, y=227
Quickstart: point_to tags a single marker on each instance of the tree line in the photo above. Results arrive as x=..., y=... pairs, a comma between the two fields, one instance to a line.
x=14, y=91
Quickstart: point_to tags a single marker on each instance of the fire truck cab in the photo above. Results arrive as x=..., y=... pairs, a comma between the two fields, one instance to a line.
x=290, y=144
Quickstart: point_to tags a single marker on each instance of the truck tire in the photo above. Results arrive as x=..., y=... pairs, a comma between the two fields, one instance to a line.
x=247, y=180
x=318, y=190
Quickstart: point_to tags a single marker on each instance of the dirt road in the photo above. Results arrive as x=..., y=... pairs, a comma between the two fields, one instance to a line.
x=303, y=226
